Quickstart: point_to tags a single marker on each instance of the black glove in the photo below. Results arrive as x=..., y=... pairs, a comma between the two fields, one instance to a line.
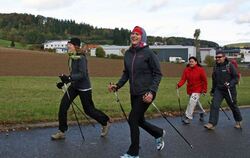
x=60, y=85
x=65, y=79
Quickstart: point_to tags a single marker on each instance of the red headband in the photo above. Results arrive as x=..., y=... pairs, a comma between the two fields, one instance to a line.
x=138, y=30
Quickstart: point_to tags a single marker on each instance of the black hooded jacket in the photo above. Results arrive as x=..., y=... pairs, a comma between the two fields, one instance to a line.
x=142, y=69
x=224, y=72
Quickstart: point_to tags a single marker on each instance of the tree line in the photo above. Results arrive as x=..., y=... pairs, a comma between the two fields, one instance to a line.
x=31, y=29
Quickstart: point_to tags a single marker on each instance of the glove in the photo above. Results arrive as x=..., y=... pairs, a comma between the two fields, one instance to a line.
x=60, y=85
x=227, y=85
x=65, y=79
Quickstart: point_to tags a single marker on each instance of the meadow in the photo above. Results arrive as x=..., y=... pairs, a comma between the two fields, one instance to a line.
x=30, y=99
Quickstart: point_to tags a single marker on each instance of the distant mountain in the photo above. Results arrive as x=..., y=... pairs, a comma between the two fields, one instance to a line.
x=27, y=28
x=238, y=45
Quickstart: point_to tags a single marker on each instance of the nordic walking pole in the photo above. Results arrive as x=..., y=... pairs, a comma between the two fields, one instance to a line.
x=82, y=112
x=66, y=90
x=230, y=95
x=231, y=98
x=221, y=110
x=162, y=114
x=118, y=101
x=179, y=102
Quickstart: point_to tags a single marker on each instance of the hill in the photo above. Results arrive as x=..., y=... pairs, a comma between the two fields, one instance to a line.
x=27, y=28
x=238, y=45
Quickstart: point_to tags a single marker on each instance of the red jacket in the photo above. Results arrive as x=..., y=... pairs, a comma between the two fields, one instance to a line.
x=196, y=80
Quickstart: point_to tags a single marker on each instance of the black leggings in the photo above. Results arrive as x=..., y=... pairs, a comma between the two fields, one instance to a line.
x=136, y=119
x=87, y=104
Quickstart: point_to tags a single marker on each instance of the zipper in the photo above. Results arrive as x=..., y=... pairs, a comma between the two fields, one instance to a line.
x=133, y=71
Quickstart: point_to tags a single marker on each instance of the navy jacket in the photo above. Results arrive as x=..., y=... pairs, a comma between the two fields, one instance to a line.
x=142, y=69
x=79, y=73
x=224, y=72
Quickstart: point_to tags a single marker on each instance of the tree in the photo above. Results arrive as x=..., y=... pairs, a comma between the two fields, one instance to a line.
x=99, y=52
x=12, y=44
x=209, y=60
x=197, y=43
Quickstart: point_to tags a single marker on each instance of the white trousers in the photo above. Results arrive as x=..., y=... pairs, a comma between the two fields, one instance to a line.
x=193, y=101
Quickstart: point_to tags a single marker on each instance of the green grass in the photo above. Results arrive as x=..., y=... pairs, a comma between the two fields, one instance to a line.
x=6, y=43
x=36, y=99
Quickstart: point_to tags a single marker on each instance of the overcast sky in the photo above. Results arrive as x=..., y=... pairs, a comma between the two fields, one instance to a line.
x=221, y=21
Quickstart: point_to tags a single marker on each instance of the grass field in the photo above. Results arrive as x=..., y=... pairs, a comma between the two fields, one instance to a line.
x=6, y=43
x=36, y=99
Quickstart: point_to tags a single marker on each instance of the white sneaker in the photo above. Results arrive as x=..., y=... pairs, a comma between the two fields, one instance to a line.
x=128, y=156
x=105, y=129
x=160, y=142
x=58, y=136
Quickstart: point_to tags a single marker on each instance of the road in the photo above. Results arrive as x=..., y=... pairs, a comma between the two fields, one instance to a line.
x=223, y=142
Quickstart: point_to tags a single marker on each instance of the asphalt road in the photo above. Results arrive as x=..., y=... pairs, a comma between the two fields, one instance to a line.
x=223, y=142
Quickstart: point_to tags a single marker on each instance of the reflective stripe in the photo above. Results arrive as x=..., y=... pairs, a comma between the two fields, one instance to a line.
x=84, y=90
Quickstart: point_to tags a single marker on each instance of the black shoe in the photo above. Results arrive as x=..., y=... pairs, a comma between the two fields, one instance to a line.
x=202, y=117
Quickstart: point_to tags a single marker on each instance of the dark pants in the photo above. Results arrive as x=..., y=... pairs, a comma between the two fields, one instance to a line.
x=218, y=97
x=87, y=104
x=136, y=119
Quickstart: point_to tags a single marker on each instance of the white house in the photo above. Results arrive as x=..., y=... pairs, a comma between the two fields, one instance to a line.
x=59, y=45
x=246, y=53
x=111, y=49
x=207, y=51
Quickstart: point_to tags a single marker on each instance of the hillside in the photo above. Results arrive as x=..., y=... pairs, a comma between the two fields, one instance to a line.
x=238, y=45
x=31, y=29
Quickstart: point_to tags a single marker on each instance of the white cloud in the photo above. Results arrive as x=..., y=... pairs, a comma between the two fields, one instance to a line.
x=46, y=4
x=214, y=11
x=158, y=4
x=244, y=18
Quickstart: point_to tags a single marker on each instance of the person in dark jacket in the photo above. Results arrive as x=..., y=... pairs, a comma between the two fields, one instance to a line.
x=196, y=79
x=79, y=84
x=224, y=80
x=142, y=69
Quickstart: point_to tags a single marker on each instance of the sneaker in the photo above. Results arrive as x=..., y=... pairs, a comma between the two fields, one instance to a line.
x=202, y=117
x=238, y=125
x=160, y=142
x=128, y=156
x=209, y=126
x=186, y=120
x=57, y=136
x=105, y=129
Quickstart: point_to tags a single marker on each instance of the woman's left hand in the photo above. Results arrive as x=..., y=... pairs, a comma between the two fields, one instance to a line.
x=148, y=97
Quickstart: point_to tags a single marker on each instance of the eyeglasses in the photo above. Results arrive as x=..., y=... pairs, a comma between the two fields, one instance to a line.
x=219, y=57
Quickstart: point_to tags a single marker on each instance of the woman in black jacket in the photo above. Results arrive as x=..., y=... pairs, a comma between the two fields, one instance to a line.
x=79, y=84
x=142, y=69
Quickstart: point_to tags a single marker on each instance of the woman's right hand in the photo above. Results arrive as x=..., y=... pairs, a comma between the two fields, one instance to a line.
x=112, y=87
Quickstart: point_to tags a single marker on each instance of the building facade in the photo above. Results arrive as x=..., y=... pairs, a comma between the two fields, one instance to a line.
x=60, y=46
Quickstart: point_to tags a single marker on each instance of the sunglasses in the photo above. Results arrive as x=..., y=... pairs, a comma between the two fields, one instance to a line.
x=219, y=57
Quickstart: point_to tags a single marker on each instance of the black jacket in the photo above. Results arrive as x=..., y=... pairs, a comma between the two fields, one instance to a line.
x=142, y=69
x=79, y=73
x=224, y=72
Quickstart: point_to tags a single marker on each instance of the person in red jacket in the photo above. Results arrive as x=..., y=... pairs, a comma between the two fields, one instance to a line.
x=196, y=79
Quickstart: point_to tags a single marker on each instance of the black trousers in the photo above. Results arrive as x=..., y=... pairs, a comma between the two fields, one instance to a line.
x=136, y=120
x=87, y=104
x=218, y=97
